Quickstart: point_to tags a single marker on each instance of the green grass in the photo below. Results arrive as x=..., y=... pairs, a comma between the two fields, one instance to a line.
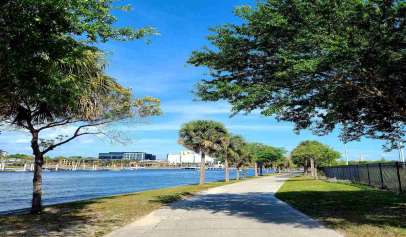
x=354, y=210
x=95, y=217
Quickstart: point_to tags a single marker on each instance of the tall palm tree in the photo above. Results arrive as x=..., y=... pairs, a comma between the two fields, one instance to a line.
x=239, y=153
x=205, y=137
x=234, y=153
x=224, y=154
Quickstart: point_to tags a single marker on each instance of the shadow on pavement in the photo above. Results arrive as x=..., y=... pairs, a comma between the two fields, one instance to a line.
x=259, y=206
x=335, y=208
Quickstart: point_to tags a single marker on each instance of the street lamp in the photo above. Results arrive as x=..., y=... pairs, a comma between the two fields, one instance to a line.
x=346, y=153
x=401, y=155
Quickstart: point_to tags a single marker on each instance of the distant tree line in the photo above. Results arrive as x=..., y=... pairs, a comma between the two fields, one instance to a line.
x=208, y=137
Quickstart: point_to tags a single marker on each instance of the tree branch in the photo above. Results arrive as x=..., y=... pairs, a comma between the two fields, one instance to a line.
x=76, y=134
x=50, y=148
x=58, y=123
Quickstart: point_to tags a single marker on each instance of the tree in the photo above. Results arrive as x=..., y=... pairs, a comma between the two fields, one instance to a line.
x=264, y=154
x=231, y=150
x=52, y=75
x=288, y=163
x=20, y=156
x=320, y=64
x=41, y=37
x=223, y=155
x=204, y=137
x=240, y=155
x=315, y=154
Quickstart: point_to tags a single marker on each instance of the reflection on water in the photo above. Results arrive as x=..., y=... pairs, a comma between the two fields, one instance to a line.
x=58, y=187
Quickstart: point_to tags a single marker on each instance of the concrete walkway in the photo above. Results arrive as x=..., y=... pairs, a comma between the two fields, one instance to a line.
x=246, y=209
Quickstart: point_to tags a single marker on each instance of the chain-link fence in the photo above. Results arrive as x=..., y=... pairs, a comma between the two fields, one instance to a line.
x=391, y=176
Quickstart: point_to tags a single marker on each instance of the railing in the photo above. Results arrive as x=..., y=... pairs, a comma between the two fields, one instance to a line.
x=391, y=176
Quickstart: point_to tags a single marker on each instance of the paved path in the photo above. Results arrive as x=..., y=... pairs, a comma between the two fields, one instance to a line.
x=245, y=209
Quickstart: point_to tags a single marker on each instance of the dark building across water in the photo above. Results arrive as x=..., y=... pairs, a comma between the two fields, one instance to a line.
x=139, y=156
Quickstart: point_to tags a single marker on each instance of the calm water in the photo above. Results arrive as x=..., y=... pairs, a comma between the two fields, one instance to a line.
x=59, y=187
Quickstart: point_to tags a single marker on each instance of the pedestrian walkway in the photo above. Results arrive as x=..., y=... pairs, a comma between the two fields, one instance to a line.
x=244, y=209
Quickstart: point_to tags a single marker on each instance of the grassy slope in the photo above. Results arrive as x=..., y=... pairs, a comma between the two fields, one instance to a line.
x=94, y=217
x=355, y=210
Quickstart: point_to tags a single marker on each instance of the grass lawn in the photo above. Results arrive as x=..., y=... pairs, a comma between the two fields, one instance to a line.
x=95, y=217
x=354, y=210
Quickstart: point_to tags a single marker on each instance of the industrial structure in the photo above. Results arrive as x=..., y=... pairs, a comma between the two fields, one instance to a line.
x=135, y=156
x=188, y=157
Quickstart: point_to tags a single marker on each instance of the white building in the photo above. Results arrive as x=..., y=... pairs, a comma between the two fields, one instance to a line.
x=3, y=153
x=189, y=157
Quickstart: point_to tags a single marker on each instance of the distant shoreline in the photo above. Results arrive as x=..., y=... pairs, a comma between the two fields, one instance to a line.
x=11, y=170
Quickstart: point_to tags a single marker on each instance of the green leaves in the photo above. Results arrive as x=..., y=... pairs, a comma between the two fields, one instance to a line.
x=265, y=153
x=322, y=154
x=233, y=148
x=212, y=138
x=318, y=64
x=203, y=136
x=148, y=106
x=47, y=50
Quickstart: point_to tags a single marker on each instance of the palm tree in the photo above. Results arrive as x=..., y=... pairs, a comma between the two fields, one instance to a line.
x=205, y=137
x=224, y=154
x=236, y=153
x=229, y=154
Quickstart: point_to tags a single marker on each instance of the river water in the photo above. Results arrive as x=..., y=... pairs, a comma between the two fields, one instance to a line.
x=60, y=187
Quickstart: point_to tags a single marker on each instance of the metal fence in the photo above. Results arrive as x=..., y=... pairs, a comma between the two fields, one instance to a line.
x=391, y=176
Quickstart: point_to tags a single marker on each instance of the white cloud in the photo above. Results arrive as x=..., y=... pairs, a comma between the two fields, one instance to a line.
x=161, y=126
x=86, y=140
x=22, y=140
x=196, y=108
x=154, y=141
x=14, y=138
x=176, y=125
x=263, y=127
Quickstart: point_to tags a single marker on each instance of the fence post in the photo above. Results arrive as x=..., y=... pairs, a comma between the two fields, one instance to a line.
x=358, y=175
x=380, y=173
x=369, y=178
x=398, y=173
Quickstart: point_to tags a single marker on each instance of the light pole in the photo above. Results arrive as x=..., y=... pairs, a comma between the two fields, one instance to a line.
x=346, y=153
x=401, y=155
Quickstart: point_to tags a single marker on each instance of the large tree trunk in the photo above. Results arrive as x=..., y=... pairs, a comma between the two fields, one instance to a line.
x=36, y=204
x=312, y=167
x=256, y=169
x=261, y=165
x=226, y=173
x=202, y=168
x=315, y=172
x=238, y=173
x=305, y=168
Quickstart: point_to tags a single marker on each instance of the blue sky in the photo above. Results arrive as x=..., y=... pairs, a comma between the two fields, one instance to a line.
x=159, y=69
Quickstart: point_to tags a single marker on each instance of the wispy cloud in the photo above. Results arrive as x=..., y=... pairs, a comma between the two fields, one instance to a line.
x=196, y=108
x=264, y=127
x=14, y=138
x=24, y=140
x=154, y=141
x=175, y=125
